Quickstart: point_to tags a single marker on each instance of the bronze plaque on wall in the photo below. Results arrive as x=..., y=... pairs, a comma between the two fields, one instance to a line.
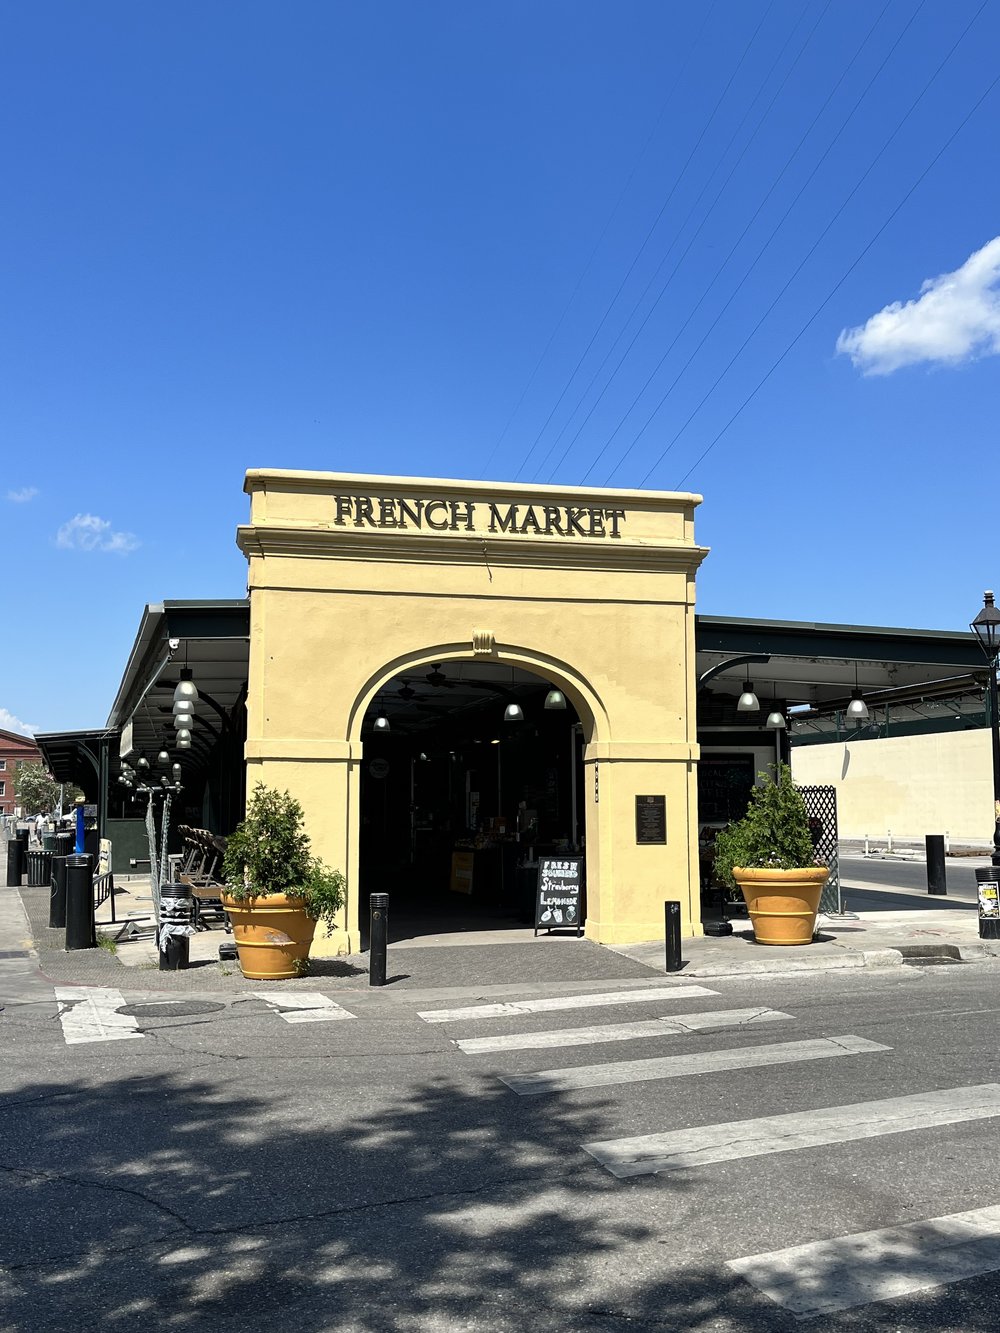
x=650, y=819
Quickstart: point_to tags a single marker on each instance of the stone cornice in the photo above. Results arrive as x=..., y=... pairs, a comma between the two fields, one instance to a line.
x=422, y=548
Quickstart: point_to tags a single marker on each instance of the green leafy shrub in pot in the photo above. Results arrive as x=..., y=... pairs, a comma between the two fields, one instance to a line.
x=773, y=834
x=270, y=852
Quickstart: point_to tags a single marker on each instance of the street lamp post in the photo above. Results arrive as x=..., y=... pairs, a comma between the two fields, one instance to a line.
x=986, y=628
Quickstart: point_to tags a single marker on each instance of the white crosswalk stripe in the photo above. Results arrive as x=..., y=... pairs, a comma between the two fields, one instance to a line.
x=682, y=1149
x=552, y=1003
x=87, y=1013
x=679, y=1066
x=669, y=1025
x=303, y=1006
x=825, y=1276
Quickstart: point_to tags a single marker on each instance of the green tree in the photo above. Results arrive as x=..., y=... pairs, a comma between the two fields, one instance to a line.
x=36, y=793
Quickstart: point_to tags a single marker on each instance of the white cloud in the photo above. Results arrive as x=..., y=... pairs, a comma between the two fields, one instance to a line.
x=8, y=722
x=87, y=532
x=22, y=496
x=955, y=318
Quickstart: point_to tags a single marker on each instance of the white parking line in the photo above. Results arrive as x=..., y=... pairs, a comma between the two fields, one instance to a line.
x=87, y=1013
x=302, y=1006
x=682, y=1149
x=840, y=1274
x=551, y=1004
x=671, y=1025
x=679, y=1066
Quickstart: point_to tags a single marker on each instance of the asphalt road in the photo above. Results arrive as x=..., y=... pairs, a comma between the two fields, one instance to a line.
x=960, y=873
x=222, y=1167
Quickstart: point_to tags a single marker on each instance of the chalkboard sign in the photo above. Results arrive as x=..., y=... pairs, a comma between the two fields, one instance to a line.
x=559, y=903
x=650, y=819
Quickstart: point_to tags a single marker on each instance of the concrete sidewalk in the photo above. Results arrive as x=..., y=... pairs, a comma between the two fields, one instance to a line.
x=887, y=927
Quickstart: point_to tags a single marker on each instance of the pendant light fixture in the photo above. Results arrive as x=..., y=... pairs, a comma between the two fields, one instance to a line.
x=182, y=740
x=176, y=772
x=182, y=721
x=857, y=709
x=381, y=721
x=163, y=758
x=142, y=763
x=555, y=699
x=186, y=688
x=748, y=701
x=513, y=713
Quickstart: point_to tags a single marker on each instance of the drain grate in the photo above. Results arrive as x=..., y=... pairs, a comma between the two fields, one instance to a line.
x=170, y=1008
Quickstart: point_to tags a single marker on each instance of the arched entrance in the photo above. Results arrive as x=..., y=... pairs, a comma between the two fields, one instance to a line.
x=357, y=582
x=472, y=770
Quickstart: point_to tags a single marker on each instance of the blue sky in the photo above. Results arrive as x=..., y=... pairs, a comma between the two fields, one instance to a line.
x=421, y=239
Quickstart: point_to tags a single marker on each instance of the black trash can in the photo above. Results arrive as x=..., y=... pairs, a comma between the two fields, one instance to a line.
x=80, y=932
x=15, y=863
x=988, y=893
x=57, y=895
x=39, y=869
x=49, y=843
x=176, y=927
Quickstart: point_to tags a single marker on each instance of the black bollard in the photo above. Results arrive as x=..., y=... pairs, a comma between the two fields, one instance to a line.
x=175, y=912
x=80, y=902
x=23, y=835
x=936, y=874
x=672, y=935
x=378, y=942
x=57, y=894
x=15, y=863
x=988, y=893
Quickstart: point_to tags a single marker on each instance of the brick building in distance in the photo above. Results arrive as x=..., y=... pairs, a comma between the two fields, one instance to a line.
x=14, y=749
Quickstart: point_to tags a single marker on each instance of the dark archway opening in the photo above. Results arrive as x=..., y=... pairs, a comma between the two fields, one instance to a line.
x=460, y=796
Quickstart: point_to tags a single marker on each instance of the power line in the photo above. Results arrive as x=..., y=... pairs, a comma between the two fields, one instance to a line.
x=604, y=231
x=733, y=248
x=646, y=240
x=680, y=231
x=833, y=291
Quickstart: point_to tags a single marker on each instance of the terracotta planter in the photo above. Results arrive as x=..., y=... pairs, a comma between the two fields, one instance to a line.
x=782, y=903
x=272, y=934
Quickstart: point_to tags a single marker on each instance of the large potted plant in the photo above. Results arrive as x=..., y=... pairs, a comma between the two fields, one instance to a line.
x=276, y=890
x=769, y=856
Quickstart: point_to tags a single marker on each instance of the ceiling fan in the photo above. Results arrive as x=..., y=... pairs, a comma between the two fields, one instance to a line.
x=406, y=690
x=438, y=679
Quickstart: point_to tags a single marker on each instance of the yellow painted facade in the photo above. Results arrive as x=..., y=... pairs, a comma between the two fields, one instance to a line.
x=356, y=579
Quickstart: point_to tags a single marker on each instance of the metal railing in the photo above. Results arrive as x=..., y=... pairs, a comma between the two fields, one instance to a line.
x=104, y=888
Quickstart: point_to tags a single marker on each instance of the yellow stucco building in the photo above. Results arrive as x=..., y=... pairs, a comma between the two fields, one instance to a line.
x=358, y=583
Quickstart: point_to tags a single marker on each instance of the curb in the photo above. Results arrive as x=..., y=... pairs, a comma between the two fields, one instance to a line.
x=873, y=958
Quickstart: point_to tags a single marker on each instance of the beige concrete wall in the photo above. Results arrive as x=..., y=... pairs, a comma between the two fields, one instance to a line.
x=339, y=607
x=913, y=785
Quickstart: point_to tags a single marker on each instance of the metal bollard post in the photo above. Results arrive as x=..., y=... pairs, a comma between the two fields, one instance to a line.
x=379, y=938
x=175, y=931
x=672, y=935
x=936, y=871
x=57, y=894
x=23, y=836
x=988, y=893
x=79, y=902
x=15, y=863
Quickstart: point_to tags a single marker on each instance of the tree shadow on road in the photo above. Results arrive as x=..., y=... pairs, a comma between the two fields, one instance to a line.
x=179, y=1201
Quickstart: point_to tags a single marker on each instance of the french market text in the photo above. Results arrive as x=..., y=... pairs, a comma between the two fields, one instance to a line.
x=466, y=516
